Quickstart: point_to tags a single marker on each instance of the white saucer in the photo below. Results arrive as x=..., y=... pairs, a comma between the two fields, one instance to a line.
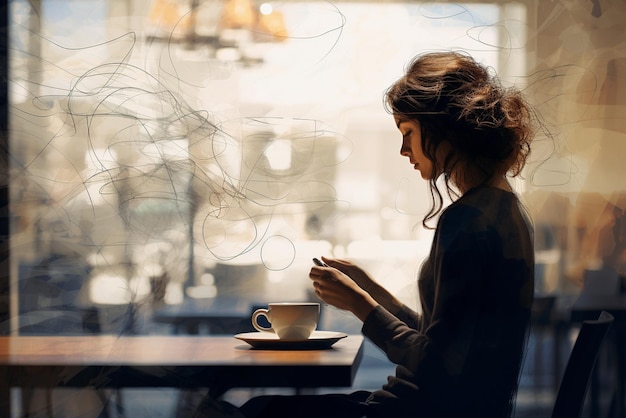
x=318, y=340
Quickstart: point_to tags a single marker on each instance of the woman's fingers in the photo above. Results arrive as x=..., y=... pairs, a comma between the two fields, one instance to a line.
x=344, y=266
x=333, y=262
x=321, y=288
x=320, y=274
x=326, y=281
x=316, y=288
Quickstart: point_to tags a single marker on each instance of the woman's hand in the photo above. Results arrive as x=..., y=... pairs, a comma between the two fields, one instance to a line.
x=356, y=273
x=364, y=281
x=337, y=289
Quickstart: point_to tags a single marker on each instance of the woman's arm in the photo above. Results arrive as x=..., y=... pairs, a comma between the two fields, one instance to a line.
x=375, y=290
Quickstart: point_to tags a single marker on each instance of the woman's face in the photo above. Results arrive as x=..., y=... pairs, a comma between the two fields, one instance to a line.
x=412, y=146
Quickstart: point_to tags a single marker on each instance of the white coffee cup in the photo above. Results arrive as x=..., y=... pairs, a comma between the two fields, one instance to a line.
x=289, y=320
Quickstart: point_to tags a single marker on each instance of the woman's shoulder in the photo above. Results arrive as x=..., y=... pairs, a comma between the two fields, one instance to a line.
x=485, y=203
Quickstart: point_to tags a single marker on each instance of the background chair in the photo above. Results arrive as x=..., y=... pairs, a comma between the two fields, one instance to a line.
x=575, y=382
x=48, y=292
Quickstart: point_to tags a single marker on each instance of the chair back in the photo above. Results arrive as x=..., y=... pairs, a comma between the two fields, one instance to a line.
x=575, y=382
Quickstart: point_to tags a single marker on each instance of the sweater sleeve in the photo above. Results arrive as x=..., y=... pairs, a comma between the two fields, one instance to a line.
x=408, y=316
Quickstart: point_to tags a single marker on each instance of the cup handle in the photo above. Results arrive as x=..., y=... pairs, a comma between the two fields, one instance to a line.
x=255, y=324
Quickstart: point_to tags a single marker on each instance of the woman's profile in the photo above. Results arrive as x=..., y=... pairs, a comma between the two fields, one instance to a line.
x=461, y=356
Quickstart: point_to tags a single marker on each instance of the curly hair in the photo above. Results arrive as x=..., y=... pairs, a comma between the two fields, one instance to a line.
x=488, y=129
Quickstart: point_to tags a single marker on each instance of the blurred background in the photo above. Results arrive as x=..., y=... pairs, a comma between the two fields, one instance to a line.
x=174, y=164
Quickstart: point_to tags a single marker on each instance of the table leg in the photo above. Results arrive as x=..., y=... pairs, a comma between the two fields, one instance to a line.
x=5, y=393
x=192, y=328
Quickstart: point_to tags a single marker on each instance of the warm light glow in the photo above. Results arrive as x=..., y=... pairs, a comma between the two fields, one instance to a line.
x=278, y=154
x=266, y=9
x=109, y=289
x=207, y=279
x=238, y=14
x=173, y=294
x=202, y=292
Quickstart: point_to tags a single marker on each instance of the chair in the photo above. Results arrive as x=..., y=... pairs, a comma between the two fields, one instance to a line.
x=575, y=382
x=48, y=290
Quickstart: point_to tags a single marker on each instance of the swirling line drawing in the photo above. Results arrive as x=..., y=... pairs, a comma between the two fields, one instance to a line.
x=110, y=141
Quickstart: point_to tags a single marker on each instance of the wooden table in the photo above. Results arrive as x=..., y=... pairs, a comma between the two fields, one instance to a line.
x=216, y=363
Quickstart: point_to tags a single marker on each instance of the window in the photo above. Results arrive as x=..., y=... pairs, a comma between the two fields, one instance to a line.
x=154, y=146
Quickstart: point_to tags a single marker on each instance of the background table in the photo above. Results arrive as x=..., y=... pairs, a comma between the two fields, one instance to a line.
x=216, y=363
x=218, y=316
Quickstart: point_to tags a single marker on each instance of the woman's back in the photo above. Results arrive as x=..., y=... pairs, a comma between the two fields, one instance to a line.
x=476, y=292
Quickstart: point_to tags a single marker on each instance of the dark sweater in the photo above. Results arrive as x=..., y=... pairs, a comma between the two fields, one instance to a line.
x=461, y=357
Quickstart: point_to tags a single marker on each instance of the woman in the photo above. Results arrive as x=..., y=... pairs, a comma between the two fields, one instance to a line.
x=461, y=357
